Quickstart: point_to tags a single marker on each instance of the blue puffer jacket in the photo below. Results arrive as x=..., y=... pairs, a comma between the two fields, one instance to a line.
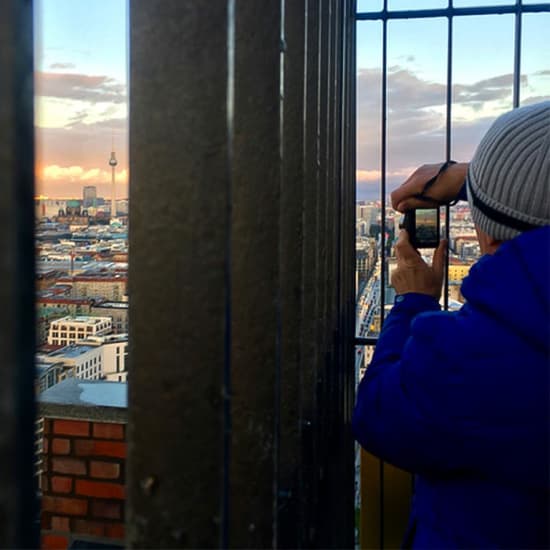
x=462, y=400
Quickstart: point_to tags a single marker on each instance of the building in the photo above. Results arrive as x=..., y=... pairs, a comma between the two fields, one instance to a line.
x=114, y=350
x=69, y=330
x=89, y=196
x=81, y=437
x=109, y=286
x=117, y=311
x=49, y=374
x=457, y=272
x=48, y=208
x=83, y=360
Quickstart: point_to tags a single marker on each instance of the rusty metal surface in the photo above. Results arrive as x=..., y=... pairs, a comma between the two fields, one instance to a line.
x=18, y=505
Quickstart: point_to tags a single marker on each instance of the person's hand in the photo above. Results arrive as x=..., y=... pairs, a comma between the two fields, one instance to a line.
x=413, y=274
x=445, y=189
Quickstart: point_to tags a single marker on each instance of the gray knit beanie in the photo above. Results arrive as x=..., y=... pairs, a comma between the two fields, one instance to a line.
x=508, y=179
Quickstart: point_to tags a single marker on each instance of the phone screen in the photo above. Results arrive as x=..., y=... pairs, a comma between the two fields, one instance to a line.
x=427, y=227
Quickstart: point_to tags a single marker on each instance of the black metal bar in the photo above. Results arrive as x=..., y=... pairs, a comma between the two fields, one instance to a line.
x=517, y=54
x=450, y=12
x=365, y=341
x=383, y=225
x=448, y=135
x=225, y=511
x=383, y=161
x=19, y=522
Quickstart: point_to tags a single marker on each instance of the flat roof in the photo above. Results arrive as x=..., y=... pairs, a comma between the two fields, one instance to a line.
x=72, y=351
x=100, y=393
x=113, y=305
x=82, y=319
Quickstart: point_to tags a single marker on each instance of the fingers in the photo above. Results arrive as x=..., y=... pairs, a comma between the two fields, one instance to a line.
x=404, y=250
x=412, y=185
x=438, y=262
x=411, y=204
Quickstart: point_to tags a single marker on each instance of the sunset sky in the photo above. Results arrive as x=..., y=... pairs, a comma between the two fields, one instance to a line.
x=81, y=95
x=81, y=89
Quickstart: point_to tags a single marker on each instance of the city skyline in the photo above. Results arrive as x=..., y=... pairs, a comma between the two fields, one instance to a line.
x=82, y=76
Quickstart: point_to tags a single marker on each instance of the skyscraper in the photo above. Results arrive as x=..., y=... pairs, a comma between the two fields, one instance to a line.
x=89, y=196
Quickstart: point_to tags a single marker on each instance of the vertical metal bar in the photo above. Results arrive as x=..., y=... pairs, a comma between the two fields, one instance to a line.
x=256, y=274
x=227, y=389
x=289, y=495
x=383, y=159
x=448, y=123
x=179, y=362
x=311, y=352
x=383, y=225
x=18, y=504
x=517, y=54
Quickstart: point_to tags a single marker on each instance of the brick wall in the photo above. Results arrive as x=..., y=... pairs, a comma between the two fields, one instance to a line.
x=82, y=482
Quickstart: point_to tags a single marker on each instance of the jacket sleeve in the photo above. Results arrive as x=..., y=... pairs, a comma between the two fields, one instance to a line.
x=394, y=416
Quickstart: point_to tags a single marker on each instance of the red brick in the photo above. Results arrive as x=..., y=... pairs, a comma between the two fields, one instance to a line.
x=54, y=542
x=61, y=446
x=45, y=521
x=99, y=489
x=65, y=506
x=104, y=470
x=43, y=484
x=71, y=427
x=102, y=430
x=47, y=426
x=89, y=447
x=45, y=444
x=115, y=531
x=85, y=527
x=69, y=466
x=106, y=509
x=61, y=484
x=60, y=524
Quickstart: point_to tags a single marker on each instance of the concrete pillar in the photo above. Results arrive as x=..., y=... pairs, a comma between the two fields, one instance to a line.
x=238, y=275
x=179, y=211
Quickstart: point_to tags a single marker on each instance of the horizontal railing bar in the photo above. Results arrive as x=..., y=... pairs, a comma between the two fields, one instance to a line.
x=451, y=12
x=365, y=341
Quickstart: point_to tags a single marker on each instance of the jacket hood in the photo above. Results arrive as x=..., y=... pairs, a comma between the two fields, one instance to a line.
x=513, y=286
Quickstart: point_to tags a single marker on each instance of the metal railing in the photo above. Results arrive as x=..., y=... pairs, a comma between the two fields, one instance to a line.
x=516, y=8
x=383, y=519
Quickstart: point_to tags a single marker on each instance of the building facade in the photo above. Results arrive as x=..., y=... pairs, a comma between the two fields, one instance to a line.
x=69, y=330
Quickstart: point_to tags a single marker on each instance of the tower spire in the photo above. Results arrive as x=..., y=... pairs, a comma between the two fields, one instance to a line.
x=112, y=163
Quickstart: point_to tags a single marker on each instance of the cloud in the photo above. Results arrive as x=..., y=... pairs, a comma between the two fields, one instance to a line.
x=80, y=87
x=62, y=66
x=416, y=119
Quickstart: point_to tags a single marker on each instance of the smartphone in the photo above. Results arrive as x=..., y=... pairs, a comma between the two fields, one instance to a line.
x=422, y=225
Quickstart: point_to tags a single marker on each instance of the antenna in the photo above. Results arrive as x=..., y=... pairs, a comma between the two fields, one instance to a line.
x=113, y=163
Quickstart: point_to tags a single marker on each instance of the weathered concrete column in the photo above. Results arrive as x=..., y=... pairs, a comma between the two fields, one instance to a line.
x=18, y=504
x=179, y=193
x=238, y=334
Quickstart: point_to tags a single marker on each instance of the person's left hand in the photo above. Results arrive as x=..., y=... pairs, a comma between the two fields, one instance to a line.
x=413, y=274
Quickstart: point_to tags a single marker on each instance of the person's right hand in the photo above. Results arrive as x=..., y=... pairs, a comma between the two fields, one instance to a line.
x=445, y=189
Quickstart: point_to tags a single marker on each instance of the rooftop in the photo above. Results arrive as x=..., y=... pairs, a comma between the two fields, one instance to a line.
x=72, y=351
x=82, y=319
x=99, y=393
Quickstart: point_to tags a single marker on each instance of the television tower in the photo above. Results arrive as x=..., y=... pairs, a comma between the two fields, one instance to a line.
x=112, y=163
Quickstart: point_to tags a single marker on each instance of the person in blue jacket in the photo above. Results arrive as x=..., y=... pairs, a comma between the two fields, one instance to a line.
x=462, y=398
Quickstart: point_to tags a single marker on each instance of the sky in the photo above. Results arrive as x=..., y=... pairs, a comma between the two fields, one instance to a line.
x=80, y=95
x=482, y=75
x=81, y=89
